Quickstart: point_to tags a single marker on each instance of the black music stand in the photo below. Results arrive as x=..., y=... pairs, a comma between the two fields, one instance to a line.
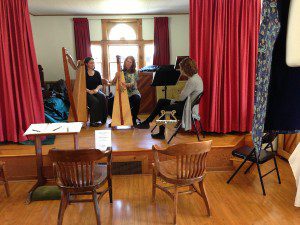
x=166, y=76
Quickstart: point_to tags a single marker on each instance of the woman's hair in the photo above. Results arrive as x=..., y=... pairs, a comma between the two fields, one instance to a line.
x=189, y=66
x=87, y=60
x=133, y=66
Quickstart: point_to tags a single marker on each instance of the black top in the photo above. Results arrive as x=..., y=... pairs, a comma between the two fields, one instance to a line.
x=93, y=81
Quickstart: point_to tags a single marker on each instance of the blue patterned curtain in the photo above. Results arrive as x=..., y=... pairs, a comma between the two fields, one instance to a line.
x=268, y=33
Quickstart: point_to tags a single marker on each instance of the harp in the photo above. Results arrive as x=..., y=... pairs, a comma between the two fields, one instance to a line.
x=121, y=116
x=77, y=95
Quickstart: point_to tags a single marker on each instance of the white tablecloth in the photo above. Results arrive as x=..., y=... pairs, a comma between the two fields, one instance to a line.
x=294, y=161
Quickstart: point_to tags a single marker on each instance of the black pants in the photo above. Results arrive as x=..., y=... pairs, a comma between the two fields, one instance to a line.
x=98, y=107
x=134, y=102
x=165, y=104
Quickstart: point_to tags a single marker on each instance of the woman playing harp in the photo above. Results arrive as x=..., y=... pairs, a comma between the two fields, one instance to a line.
x=131, y=77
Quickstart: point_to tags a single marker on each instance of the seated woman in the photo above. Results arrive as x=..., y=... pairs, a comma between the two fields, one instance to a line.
x=131, y=77
x=192, y=89
x=96, y=99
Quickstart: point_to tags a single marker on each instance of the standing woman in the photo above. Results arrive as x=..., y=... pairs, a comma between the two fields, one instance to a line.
x=131, y=77
x=96, y=99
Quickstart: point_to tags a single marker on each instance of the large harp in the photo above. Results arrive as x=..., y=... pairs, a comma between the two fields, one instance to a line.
x=121, y=116
x=77, y=94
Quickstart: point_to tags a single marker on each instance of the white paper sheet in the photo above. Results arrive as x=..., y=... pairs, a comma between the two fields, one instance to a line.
x=102, y=139
x=53, y=128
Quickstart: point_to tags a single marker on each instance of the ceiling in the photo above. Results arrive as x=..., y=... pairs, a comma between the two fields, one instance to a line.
x=96, y=7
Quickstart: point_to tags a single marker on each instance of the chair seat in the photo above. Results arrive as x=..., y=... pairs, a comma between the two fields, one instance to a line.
x=100, y=174
x=168, y=169
x=244, y=151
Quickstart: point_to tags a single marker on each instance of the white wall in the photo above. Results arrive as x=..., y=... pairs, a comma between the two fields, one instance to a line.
x=51, y=33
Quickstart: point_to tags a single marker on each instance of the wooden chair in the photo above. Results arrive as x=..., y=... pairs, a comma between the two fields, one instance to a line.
x=78, y=173
x=3, y=178
x=187, y=169
x=249, y=154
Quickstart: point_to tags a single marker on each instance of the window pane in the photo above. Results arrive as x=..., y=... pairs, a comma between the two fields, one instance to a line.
x=96, y=52
x=97, y=55
x=149, y=51
x=122, y=31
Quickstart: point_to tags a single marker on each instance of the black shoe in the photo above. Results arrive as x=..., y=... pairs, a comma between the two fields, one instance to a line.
x=95, y=124
x=158, y=136
x=143, y=125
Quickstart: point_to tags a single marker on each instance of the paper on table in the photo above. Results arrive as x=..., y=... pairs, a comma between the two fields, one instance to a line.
x=102, y=139
x=53, y=128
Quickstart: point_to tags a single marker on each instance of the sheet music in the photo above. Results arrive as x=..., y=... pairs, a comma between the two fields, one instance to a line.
x=102, y=139
x=53, y=128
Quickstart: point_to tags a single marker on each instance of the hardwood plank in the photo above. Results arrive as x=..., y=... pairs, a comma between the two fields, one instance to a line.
x=240, y=202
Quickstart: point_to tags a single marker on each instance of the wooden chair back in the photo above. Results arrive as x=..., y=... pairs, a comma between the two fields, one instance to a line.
x=75, y=168
x=190, y=158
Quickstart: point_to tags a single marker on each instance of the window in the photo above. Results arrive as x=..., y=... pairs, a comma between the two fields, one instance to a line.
x=149, y=51
x=97, y=55
x=123, y=51
x=122, y=31
x=123, y=37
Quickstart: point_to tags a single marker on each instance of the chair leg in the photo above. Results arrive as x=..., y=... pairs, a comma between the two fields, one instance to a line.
x=110, y=190
x=276, y=167
x=7, y=191
x=153, y=185
x=202, y=189
x=175, y=204
x=153, y=128
x=174, y=134
x=62, y=207
x=261, y=179
x=96, y=207
x=235, y=172
x=197, y=132
x=202, y=130
x=248, y=169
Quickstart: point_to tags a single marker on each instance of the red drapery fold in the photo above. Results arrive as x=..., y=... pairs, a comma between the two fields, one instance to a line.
x=223, y=41
x=161, y=41
x=21, y=96
x=82, y=38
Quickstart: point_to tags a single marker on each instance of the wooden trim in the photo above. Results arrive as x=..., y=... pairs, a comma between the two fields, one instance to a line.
x=125, y=20
x=104, y=29
x=88, y=15
x=139, y=29
x=123, y=42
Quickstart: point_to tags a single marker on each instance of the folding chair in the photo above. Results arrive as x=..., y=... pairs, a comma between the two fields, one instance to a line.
x=249, y=154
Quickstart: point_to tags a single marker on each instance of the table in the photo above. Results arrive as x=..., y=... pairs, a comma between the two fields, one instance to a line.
x=43, y=129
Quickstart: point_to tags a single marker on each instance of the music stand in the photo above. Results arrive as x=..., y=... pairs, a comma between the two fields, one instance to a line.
x=166, y=76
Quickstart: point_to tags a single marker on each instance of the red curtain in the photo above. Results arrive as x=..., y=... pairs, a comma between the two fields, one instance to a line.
x=20, y=89
x=82, y=38
x=161, y=41
x=223, y=41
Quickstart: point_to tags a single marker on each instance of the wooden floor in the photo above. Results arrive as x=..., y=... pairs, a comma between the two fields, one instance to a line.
x=239, y=203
